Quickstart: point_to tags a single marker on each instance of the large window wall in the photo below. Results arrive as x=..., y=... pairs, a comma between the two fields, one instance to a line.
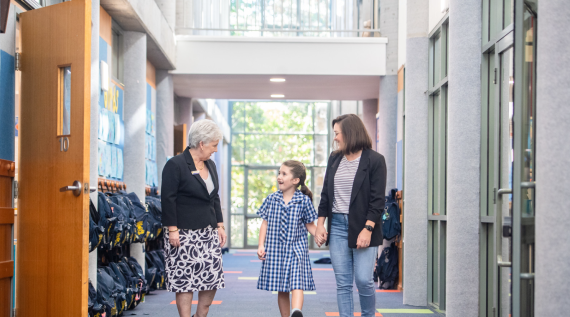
x=437, y=163
x=265, y=134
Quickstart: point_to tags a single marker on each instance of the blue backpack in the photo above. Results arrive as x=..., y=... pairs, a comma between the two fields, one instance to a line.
x=391, y=217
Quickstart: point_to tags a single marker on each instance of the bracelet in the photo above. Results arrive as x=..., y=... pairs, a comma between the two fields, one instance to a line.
x=173, y=230
x=222, y=227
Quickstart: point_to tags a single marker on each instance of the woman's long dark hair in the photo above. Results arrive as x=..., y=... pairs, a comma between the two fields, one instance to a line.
x=354, y=134
x=299, y=171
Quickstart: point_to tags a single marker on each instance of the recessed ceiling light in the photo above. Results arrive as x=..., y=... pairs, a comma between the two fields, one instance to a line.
x=277, y=96
x=277, y=80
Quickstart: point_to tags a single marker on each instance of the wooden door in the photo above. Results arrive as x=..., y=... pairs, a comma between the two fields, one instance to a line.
x=180, y=139
x=7, y=169
x=52, y=252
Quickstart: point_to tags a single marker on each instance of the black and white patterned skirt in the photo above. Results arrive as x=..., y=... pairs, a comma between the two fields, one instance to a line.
x=197, y=264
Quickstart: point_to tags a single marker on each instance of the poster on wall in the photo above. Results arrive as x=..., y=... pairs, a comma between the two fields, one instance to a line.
x=151, y=173
x=111, y=132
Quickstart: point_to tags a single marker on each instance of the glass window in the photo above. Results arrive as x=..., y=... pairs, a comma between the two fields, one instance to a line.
x=116, y=55
x=64, y=107
x=265, y=134
x=437, y=164
x=497, y=16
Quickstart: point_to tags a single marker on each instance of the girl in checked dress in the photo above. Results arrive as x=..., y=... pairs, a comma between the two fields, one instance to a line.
x=283, y=247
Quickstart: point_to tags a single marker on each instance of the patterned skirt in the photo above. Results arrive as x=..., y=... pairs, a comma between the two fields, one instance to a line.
x=197, y=264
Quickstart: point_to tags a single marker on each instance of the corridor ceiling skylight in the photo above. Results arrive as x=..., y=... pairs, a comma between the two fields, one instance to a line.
x=277, y=96
x=277, y=80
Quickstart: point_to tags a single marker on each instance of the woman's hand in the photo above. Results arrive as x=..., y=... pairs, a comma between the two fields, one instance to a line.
x=363, y=239
x=261, y=252
x=321, y=235
x=174, y=238
x=223, y=236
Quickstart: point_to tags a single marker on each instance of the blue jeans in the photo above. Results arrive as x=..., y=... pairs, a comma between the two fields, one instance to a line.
x=350, y=265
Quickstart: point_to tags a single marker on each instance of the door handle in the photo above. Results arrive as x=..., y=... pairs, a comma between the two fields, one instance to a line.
x=498, y=227
x=75, y=188
x=528, y=184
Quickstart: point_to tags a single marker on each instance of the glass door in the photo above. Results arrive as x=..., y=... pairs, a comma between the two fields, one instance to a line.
x=523, y=247
x=503, y=176
x=261, y=182
x=507, y=160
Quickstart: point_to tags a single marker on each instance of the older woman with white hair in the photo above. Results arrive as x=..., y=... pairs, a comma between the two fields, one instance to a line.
x=192, y=217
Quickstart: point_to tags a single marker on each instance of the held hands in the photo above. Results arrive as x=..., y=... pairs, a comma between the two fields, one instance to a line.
x=261, y=252
x=321, y=235
x=174, y=238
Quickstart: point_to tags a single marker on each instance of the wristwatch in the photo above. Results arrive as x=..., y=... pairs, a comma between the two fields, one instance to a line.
x=369, y=228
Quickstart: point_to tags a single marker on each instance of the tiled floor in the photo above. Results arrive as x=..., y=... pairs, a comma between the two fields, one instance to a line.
x=240, y=298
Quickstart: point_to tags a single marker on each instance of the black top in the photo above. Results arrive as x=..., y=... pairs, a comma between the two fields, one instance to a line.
x=367, y=199
x=186, y=202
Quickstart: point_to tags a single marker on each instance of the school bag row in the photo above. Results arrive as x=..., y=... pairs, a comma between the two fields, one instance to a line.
x=121, y=219
x=121, y=286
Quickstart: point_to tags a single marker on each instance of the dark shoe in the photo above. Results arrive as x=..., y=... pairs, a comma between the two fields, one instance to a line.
x=297, y=313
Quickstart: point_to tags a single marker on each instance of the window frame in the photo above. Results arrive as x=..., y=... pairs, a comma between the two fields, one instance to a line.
x=245, y=215
x=437, y=162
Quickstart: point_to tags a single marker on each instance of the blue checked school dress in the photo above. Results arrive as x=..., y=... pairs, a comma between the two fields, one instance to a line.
x=287, y=265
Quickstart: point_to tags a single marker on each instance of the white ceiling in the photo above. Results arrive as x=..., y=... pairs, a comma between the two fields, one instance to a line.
x=296, y=87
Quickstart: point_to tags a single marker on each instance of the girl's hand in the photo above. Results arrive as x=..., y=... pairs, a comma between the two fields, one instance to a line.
x=261, y=252
x=363, y=239
x=223, y=237
x=174, y=238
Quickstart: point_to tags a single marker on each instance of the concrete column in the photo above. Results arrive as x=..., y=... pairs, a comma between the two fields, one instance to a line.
x=388, y=126
x=463, y=158
x=369, y=110
x=183, y=13
x=168, y=8
x=416, y=154
x=93, y=141
x=387, y=122
x=552, y=161
x=185, y=111
x=134, y=56
x=164, y=120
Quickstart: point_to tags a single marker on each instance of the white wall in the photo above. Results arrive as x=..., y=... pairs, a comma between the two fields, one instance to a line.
x=435, y=12
x=285, y=56
x=402, y=32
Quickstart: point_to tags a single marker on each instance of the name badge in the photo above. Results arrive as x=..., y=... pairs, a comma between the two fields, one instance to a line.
x=195, y=172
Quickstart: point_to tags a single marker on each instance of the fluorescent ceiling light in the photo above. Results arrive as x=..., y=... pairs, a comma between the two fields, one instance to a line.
x=277, y=96
x=277, y=80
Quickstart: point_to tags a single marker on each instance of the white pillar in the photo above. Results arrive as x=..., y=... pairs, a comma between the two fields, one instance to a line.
x=463, y=158
x=552, y=160
x=164, y=119
x=416, y=155
x=134, y=57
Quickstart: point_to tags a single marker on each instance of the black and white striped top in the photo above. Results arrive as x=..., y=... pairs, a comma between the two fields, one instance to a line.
x=343, y=181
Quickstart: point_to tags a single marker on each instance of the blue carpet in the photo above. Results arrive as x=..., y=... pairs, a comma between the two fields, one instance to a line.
x=241, y=298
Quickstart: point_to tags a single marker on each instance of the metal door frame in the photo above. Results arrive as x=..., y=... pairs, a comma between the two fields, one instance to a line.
x=497, y=39
x=518, y=169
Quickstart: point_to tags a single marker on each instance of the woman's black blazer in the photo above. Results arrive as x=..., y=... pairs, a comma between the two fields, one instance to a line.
x=186, y=202
x=368, y=195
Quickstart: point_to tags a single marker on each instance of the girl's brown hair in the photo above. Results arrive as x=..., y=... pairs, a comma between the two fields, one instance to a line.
x=299, y=171
x=354, y=134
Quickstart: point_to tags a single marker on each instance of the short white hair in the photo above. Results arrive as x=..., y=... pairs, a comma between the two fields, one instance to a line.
x=206, y=131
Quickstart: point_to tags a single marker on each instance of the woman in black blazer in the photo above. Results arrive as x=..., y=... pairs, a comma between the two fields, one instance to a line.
x=192, y=215
x=353, y=199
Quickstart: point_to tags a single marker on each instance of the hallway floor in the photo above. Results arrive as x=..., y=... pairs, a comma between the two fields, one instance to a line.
x=241, y=298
